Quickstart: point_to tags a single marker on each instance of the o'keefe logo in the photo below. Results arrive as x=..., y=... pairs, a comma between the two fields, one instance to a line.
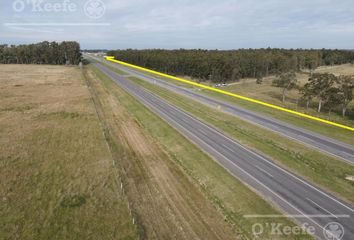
x=95, y=9
x=44, y=6
x=333, y=231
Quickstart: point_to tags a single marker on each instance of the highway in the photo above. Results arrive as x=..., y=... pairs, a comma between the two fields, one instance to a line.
x=300, y=200
x=317, y=141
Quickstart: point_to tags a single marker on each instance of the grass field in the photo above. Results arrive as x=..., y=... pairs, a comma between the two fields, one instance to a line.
x=57, y=177
x=228, y=195
x=344, y=69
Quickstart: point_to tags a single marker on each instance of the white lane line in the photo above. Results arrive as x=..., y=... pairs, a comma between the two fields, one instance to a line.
x=321, y=208
x=201, y=131
x=264, y=171
x=228, y=148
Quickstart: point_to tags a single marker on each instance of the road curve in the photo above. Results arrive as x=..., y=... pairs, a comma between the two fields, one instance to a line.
x=322, y=143
x=298, y=198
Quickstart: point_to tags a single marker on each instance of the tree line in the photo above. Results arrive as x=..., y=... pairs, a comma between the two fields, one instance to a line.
x=41, y=53
x=222, y=66
x=330, y=90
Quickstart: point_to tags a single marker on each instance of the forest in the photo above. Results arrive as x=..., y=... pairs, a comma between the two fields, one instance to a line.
x=329, y=91
x=232, y=65
x=41, y=53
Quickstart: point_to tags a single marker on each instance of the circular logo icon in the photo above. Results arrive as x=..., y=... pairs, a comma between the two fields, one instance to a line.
x=333, y=231
x=94, y=9
x=18, y=6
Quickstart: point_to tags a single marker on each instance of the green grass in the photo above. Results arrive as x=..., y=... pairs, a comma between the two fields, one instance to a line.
x=226, y=192
x=315, y=126
x=323, y=170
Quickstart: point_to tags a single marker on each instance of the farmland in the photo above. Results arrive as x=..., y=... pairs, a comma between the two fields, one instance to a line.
x=57, y=177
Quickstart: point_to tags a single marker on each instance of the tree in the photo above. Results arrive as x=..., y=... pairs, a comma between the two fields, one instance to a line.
x=233, y=64
x=333, y=99
x=308, y=93
x=346, y=87
x=41, y=53
x=286, y=81
x=321, y=84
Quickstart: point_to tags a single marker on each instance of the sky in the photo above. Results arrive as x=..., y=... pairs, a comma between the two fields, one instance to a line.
x=174, y=24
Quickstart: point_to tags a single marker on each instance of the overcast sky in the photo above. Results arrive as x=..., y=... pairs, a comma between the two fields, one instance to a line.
x=211, y=24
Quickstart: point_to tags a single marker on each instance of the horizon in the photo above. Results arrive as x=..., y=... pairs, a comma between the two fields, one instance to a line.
x=156, y=24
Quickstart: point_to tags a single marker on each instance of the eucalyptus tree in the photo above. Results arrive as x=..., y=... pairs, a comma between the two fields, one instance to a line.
x=346, y=87
x=308, y=92
x=286, y=81
x=322, y=83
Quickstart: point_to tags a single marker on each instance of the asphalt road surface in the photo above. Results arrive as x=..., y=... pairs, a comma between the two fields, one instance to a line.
x=302, y=201
x=325, y=144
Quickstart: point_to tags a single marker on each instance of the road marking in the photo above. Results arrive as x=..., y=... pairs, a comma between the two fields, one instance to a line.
x=264, y=171
x=321, y=207
x=228, y=148
x=110, y=58
x=201, y=131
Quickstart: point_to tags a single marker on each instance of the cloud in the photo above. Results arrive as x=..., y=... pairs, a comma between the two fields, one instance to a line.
x=222, y=24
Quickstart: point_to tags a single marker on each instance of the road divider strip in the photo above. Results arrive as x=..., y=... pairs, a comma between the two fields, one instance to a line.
x=111, y=59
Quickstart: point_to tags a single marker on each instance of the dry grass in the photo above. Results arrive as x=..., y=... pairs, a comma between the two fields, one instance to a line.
x=165, y=203
x=57, y=179
x=268, y=93
x=344, y=69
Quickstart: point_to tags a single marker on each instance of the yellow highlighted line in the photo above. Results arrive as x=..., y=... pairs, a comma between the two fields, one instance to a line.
x=109, y=58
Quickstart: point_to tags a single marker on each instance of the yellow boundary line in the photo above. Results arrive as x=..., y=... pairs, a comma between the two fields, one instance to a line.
x=110, y=58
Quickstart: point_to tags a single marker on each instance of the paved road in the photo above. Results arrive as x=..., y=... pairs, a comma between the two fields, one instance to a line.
x=298, y=198
x=325, y=144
